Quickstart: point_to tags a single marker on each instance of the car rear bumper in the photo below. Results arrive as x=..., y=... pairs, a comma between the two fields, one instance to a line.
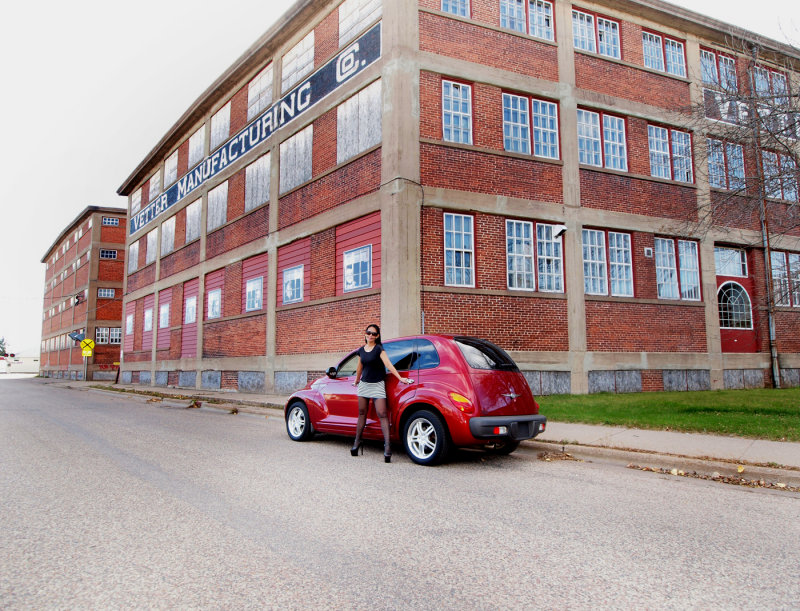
x=514, y=427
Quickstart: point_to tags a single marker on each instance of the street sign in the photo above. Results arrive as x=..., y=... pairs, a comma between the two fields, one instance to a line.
x=87, y=351
x=87, y=344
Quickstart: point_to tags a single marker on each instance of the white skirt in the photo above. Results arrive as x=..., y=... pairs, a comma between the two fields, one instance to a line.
x=371, y=390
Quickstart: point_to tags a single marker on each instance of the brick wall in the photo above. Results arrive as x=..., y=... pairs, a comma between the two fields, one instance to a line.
x=245, y=336
x=144, y=277
x=110, y=270
x=248, y=228
x=180, y=260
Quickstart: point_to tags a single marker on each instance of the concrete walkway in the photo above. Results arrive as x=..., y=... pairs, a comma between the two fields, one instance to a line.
x=687, y=445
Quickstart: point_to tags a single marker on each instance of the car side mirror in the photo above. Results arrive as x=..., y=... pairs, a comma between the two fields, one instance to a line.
x=331, y=373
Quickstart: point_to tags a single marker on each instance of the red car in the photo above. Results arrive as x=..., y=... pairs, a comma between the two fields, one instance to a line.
x=466, y=392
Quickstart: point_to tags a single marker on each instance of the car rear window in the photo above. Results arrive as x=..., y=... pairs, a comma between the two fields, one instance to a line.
x=481, y=354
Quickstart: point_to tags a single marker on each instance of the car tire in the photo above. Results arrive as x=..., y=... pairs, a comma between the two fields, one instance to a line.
x=425, y=438
x=298, y=423
x=502, y=448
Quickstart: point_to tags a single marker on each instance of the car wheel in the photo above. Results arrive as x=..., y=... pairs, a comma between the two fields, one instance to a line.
x=425, y=438
x=298, y=424
x=502, y=448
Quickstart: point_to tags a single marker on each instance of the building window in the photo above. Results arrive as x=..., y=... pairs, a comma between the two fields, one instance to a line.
x=519, y=255
x=730, y=262
x=512, y=15
x=718, y=70
x=354, y=16
x=136, y=201
x=298, y=62
x=358, y=122
x=256, y=190
x=105, y=293
x=217, y=206
x=108, y=254
x=163, y=316
x=545, y=129
x=171, y=169
x=220, y=126
x=259, y=93
x=549, y=259
x=152, y=247
x=155, y=185
x=197, y=146
x=516, y=132
x=734, y=307
x=293, y=284
x=193, y=221
x=148, y=320
x=168, y=236
x=190, y=310
x=295, y=160
x=459, y=268
x=110, y=221
x=101, y=335
x=133, y=257
x=786, y=278
x=253, y=294
x=540, y=14
x=129, y=324
x=670, y=154
x=681, y=280
x=604, y=39
x=663, y=54
x=214, y=309
x=725, y=165
x=456, y=7
x=780, y=176
x=771, y=86
x=602, y=149
x=115, y=335
x=456, y=112
x=358, y=268
x=618, y=273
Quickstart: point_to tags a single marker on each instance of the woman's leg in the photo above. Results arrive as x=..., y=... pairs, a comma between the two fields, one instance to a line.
x=363, y=407
x=381, y=407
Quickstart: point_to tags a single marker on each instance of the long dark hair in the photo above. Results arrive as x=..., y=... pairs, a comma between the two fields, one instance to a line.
x=378, y=329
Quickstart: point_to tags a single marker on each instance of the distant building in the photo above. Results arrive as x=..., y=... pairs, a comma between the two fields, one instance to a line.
x=515, y=170
x=83, y=293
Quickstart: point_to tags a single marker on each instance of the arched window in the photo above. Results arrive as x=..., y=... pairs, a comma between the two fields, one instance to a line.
x=734, y=307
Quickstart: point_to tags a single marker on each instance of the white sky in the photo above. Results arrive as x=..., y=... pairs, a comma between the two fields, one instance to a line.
x=90, y=86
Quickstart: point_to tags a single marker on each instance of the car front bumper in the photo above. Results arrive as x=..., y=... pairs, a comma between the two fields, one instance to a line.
x=513, y=427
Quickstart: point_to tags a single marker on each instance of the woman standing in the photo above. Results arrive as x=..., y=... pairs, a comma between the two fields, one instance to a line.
x=370, y=379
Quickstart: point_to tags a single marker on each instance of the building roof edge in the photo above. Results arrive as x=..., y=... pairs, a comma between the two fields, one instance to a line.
x=83, y=214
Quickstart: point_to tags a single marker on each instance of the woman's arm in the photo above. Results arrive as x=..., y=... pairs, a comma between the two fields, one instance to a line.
x=392, y=370
x=358, y=373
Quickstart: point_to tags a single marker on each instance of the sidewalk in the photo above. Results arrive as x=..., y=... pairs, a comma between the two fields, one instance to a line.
x=694, y=446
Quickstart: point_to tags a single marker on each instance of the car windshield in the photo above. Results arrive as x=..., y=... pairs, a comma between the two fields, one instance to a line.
x=481, y=354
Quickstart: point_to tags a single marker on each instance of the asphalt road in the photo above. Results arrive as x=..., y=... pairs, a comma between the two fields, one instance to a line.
x=109, y=502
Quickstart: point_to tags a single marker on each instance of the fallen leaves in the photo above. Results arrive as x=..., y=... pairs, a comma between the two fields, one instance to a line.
x=734, y=480
x=551, y=456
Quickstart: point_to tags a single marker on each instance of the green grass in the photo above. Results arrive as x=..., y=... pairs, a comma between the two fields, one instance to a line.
x=762, y=413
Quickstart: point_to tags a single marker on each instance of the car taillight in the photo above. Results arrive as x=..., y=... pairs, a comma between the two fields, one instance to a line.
x=500, y=430
x=461, y=402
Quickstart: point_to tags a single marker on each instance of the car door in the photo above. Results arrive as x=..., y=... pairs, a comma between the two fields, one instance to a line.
x=340, y=397
x=402, y=354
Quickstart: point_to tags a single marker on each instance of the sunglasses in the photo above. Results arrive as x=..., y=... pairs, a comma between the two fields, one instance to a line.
x=372, y=333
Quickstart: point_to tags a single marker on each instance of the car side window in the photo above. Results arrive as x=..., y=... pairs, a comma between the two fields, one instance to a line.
x=401, y=353
x=348, y=366
x=427, y=357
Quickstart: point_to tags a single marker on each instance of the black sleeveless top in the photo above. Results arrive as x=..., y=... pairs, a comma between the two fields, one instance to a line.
x=373, y=369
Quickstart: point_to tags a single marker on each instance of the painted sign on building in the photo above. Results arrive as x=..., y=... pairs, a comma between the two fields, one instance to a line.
x=356, y=57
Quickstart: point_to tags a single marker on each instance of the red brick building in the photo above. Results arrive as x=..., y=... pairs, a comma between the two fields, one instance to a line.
x=85, y=267
x=518, y=170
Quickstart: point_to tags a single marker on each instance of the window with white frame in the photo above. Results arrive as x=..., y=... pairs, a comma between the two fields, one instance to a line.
x=295, y=159
x=193, y=221
x=595, y=276
x=108, y=254
x=617, y=274
x=519, y=255
x=297, y=62
x=217, y=206
x=516, y=122
x=786, y=278
x=259, y=93
x=253, y=291
x=105, y=293
x=220, y=126
x=197, y=146
x=358, y=268
x=163, y=315
x=608, y=37
x=155, y=185
x=101, y=335
x=456, y=7
x=115, y=335
x=171, y=169
x=110, y=221
x=190, y=310
x=583, y=31
x=519, y=112
x=148, y=320
x=540, y=17
x=512, y=15
x=214, y=304
x=735, y=311
x=725, y=165
x=549, y=259
x=456, y=112
x=293, y=284
x=663, y=54
x=597, y=35
x=677, y=278
x=136, y=201
x=256, y=189
x=152, y=247
x=718, y=70
x=730, y=262
x=459, y=264
x=354, y=16
x=670, y=154
x=780, y=176
x=771, y=86
x=358, y=122
x=168, y=236
x=129, y=324
x=133, y=257
x=602, y=148
x=545, y=128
